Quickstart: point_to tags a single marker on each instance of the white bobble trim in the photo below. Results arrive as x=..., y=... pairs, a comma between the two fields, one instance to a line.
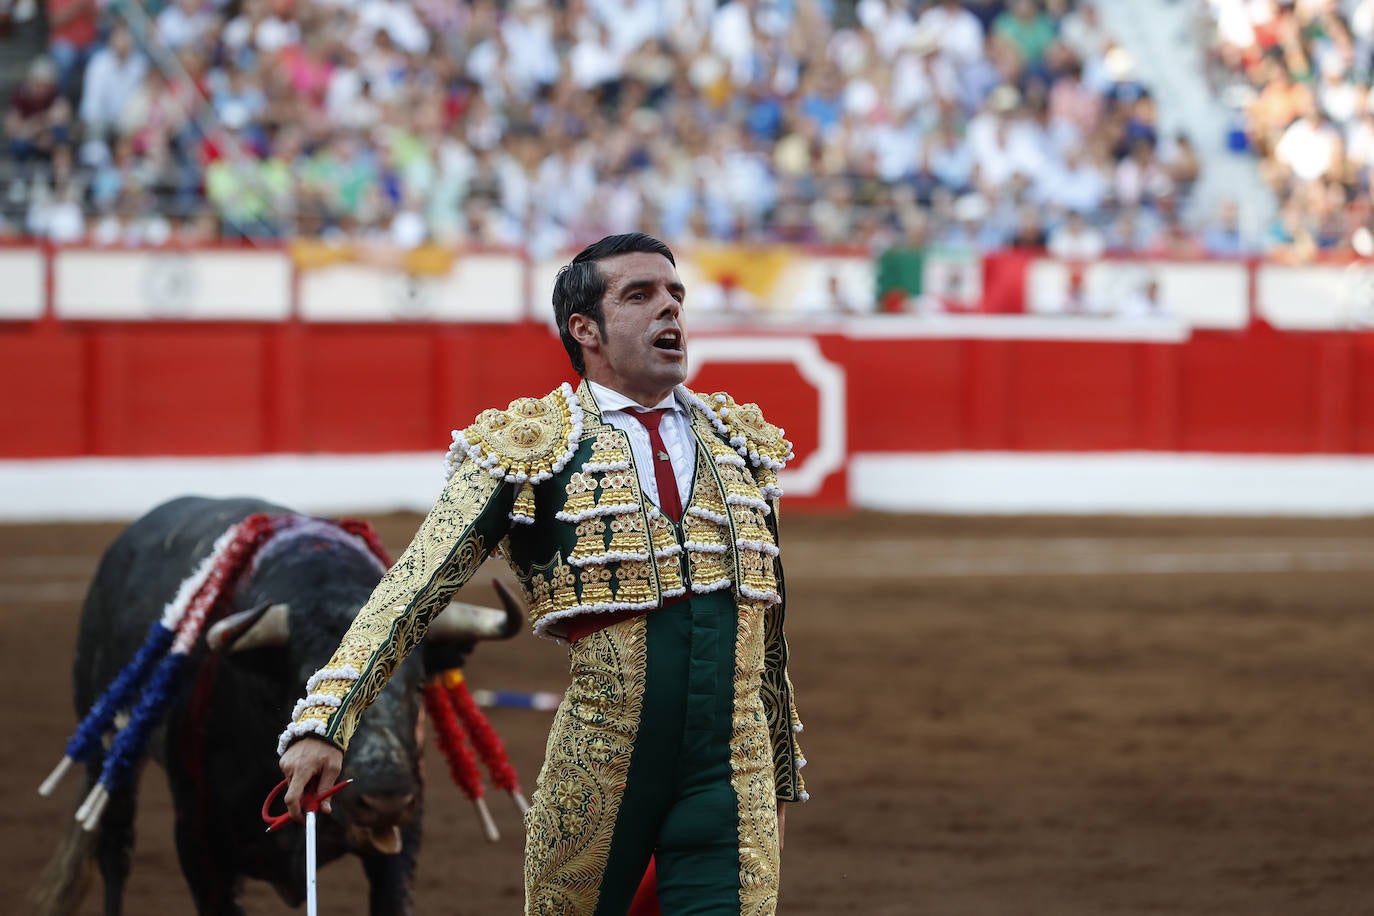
x=296, y=730
x=346, y=673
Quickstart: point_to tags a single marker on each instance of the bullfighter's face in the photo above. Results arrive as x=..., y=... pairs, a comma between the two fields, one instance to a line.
x=643, y=352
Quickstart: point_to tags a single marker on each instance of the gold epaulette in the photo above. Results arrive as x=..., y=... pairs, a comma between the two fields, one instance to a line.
x=757, y=440
x=530, y=441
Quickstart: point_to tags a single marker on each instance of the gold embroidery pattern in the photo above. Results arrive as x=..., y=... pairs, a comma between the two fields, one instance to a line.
x=572, y=814
x=706, y=527
x=532, y=440
x=751, y=776
x=667, y=556
x=708, y=550
x=634, y=584
x=619, y=491
x=581, y=490
x=742, y=511
x=523, y=510
x=562, y=587
x=753, y=437
x=591, y=542
x=629, y=537
x=444, y=554
x=608, y=452
x=596, y=586
x=775, y=690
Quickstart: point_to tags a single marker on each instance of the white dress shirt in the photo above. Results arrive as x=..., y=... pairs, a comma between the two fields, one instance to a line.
x=674, y=428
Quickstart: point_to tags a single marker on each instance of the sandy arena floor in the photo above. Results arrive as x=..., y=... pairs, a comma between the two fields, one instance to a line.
x=1003, y=717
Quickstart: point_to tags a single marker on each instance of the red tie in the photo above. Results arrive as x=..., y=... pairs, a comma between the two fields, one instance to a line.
x=668, y=499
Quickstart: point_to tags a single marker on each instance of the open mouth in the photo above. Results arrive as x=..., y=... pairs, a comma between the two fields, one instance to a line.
x=383, y=839
x=670, y=341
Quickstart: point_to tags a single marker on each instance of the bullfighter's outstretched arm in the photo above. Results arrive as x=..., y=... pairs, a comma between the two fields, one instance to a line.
x=467, y=522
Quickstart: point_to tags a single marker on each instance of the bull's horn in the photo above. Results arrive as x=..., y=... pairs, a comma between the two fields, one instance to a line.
x=515, y=608
x=463, y=622
x=261, y=627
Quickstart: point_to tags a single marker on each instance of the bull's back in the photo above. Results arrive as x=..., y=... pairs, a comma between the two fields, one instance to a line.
x=138, y=575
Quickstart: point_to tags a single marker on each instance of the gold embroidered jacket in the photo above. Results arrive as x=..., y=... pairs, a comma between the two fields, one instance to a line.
x=554, y=488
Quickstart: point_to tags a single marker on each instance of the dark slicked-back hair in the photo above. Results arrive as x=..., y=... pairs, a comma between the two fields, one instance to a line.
x=580, y=285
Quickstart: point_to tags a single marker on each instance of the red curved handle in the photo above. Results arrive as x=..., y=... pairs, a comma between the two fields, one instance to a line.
x=310, y=802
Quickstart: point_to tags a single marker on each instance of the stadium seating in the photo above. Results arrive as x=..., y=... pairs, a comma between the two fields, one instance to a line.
x=988, y=125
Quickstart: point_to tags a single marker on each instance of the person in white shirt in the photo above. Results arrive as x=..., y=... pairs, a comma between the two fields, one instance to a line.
x=1076, y=240
x=1143, y=303
x=112, y=76
x=959, y=31
x=1310, y=147
x=182, y=23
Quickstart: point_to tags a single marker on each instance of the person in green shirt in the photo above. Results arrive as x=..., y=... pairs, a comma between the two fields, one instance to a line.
x=1027, y=28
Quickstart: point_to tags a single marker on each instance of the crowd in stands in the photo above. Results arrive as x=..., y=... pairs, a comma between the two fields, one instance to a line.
x=977, y=124
x=1301, y=70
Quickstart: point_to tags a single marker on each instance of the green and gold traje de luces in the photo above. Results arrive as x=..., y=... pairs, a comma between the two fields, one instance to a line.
x=599, y=547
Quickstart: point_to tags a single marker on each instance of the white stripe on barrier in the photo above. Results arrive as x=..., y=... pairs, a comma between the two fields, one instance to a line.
x=1131, y=483
x=997, y=483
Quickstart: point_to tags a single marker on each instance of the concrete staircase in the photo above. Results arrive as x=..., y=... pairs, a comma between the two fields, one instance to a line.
x=1165, y=42
x=20, y=43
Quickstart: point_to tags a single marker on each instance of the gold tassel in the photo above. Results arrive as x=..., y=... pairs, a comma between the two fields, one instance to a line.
x=524, y=502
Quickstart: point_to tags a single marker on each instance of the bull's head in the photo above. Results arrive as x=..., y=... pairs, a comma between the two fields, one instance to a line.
x=383, y=755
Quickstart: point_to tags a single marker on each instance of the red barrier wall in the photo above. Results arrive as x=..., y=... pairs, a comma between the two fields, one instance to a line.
x=195, y=389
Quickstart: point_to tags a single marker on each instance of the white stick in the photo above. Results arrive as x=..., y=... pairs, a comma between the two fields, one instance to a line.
x=97, y=794
x=488, y=825
x=55, y=777
x=311, y=903
x=520, y=801
x=92, y=820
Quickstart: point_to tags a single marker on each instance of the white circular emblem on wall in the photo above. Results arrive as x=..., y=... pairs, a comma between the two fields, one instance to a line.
x=169, y=285
x=803, y=478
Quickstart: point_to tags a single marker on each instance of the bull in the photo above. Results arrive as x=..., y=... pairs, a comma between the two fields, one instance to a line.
x=217, y=741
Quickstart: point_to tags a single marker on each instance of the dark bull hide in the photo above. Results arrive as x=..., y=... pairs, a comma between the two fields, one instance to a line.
x=218, y=740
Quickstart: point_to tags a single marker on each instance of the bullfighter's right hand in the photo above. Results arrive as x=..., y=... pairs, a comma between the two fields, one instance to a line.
x=310, y=763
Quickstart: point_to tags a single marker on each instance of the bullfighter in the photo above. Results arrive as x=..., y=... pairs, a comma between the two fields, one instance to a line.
x=641, y=521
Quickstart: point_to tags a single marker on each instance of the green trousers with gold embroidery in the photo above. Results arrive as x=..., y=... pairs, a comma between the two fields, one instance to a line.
x=659, y=748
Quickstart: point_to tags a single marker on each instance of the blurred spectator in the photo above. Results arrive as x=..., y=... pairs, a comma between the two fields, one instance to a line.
x=1075, y=184
x=959, y=32
x=834, y=298
x=1029, y=233
x=1082, y=33
x=182, y=22
x=113, y=75
x=73, y=27
x=1076, y=240
x=38, y=120
x=971, y=229
x=1128, y=234
x=1223, y=237
x=1027, y=30
x=1310, y=147
x=1143, y=302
